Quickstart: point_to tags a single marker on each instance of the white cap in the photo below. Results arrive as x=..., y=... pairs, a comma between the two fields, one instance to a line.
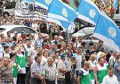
x=60, y=37
x=15, y=32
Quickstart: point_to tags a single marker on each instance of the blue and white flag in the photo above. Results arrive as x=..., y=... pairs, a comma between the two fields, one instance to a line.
x=64, y=24
x=61, y=11
x=43, y=3
x=107, y=31
x=88, y=11
x=115, y=4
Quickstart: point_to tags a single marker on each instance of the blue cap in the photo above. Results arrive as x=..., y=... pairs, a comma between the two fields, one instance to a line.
x=113, y=51
x=3, y=43
x=56, y=42
x=39, y=46
x=62, y=56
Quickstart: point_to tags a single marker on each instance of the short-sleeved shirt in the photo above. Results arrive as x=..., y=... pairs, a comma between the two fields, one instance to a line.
x=77, y=45
x=38, y=42
x=110, y=80
x=52, y=52
x=51, y=72
x=68, y=64
x=35, y=67
x=79, y=60
x=33, y=52
x=112, y=60
x=61, y=65
x=43, y=61
x=6, y=72
x=6, y=55
x=116, y=71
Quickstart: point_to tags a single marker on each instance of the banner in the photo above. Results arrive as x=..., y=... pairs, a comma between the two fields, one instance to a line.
x=25, y=10
x=32, y=15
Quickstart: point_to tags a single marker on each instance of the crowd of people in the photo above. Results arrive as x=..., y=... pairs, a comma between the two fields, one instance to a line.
x=107, y=6
x=37, y=25
x=104, y=5
x=56, y=61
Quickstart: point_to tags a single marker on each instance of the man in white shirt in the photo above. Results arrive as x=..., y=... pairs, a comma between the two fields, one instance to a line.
x=78, y=58
x=100, y=52
x=6, y=52
x=112, y=59
x=39, y=40
x=61, y=68
x=78, y=43
x=110, y=78
x=1, y=51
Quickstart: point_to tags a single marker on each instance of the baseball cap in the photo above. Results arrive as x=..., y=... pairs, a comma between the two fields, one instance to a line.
x=57, y=50
x=60, y=37
x=62, y=56
x=15, y=32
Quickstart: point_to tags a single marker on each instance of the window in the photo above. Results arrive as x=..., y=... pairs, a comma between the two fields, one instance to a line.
x=117, y=22
x=10, y=5
x=27, y=30
x=90, y=37
x=18, y=29
x=32, y=31
x=2, y=29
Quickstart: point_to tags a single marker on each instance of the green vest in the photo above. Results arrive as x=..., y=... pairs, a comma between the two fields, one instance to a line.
x=86, y=77
x=26, y=54
x=92, y=75
x=92, y=72
x=102, y=72
x=15, y=72
x=21, y=60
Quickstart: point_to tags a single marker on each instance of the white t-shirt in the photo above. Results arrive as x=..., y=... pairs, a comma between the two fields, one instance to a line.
x=35, y=26
x=110, y=80
x=77, y=45
x=61, y=65
x=113, y=58
x=33, y=52
x=1, y=51
x=44, y=60
x=79, y=60
x=57, y=60
x=6, y=55
x=98, y=55
x=91, y=63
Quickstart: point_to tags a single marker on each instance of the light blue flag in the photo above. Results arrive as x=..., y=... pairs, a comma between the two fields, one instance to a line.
x=64, y=24
x=115, y=4
x=43, y=3
x=61, y=11
x=88, y=11
x=107, y=31
x=46, y=4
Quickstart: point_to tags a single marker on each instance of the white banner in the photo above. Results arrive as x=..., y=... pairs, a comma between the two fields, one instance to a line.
x=24, y=11
x=32, y=15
